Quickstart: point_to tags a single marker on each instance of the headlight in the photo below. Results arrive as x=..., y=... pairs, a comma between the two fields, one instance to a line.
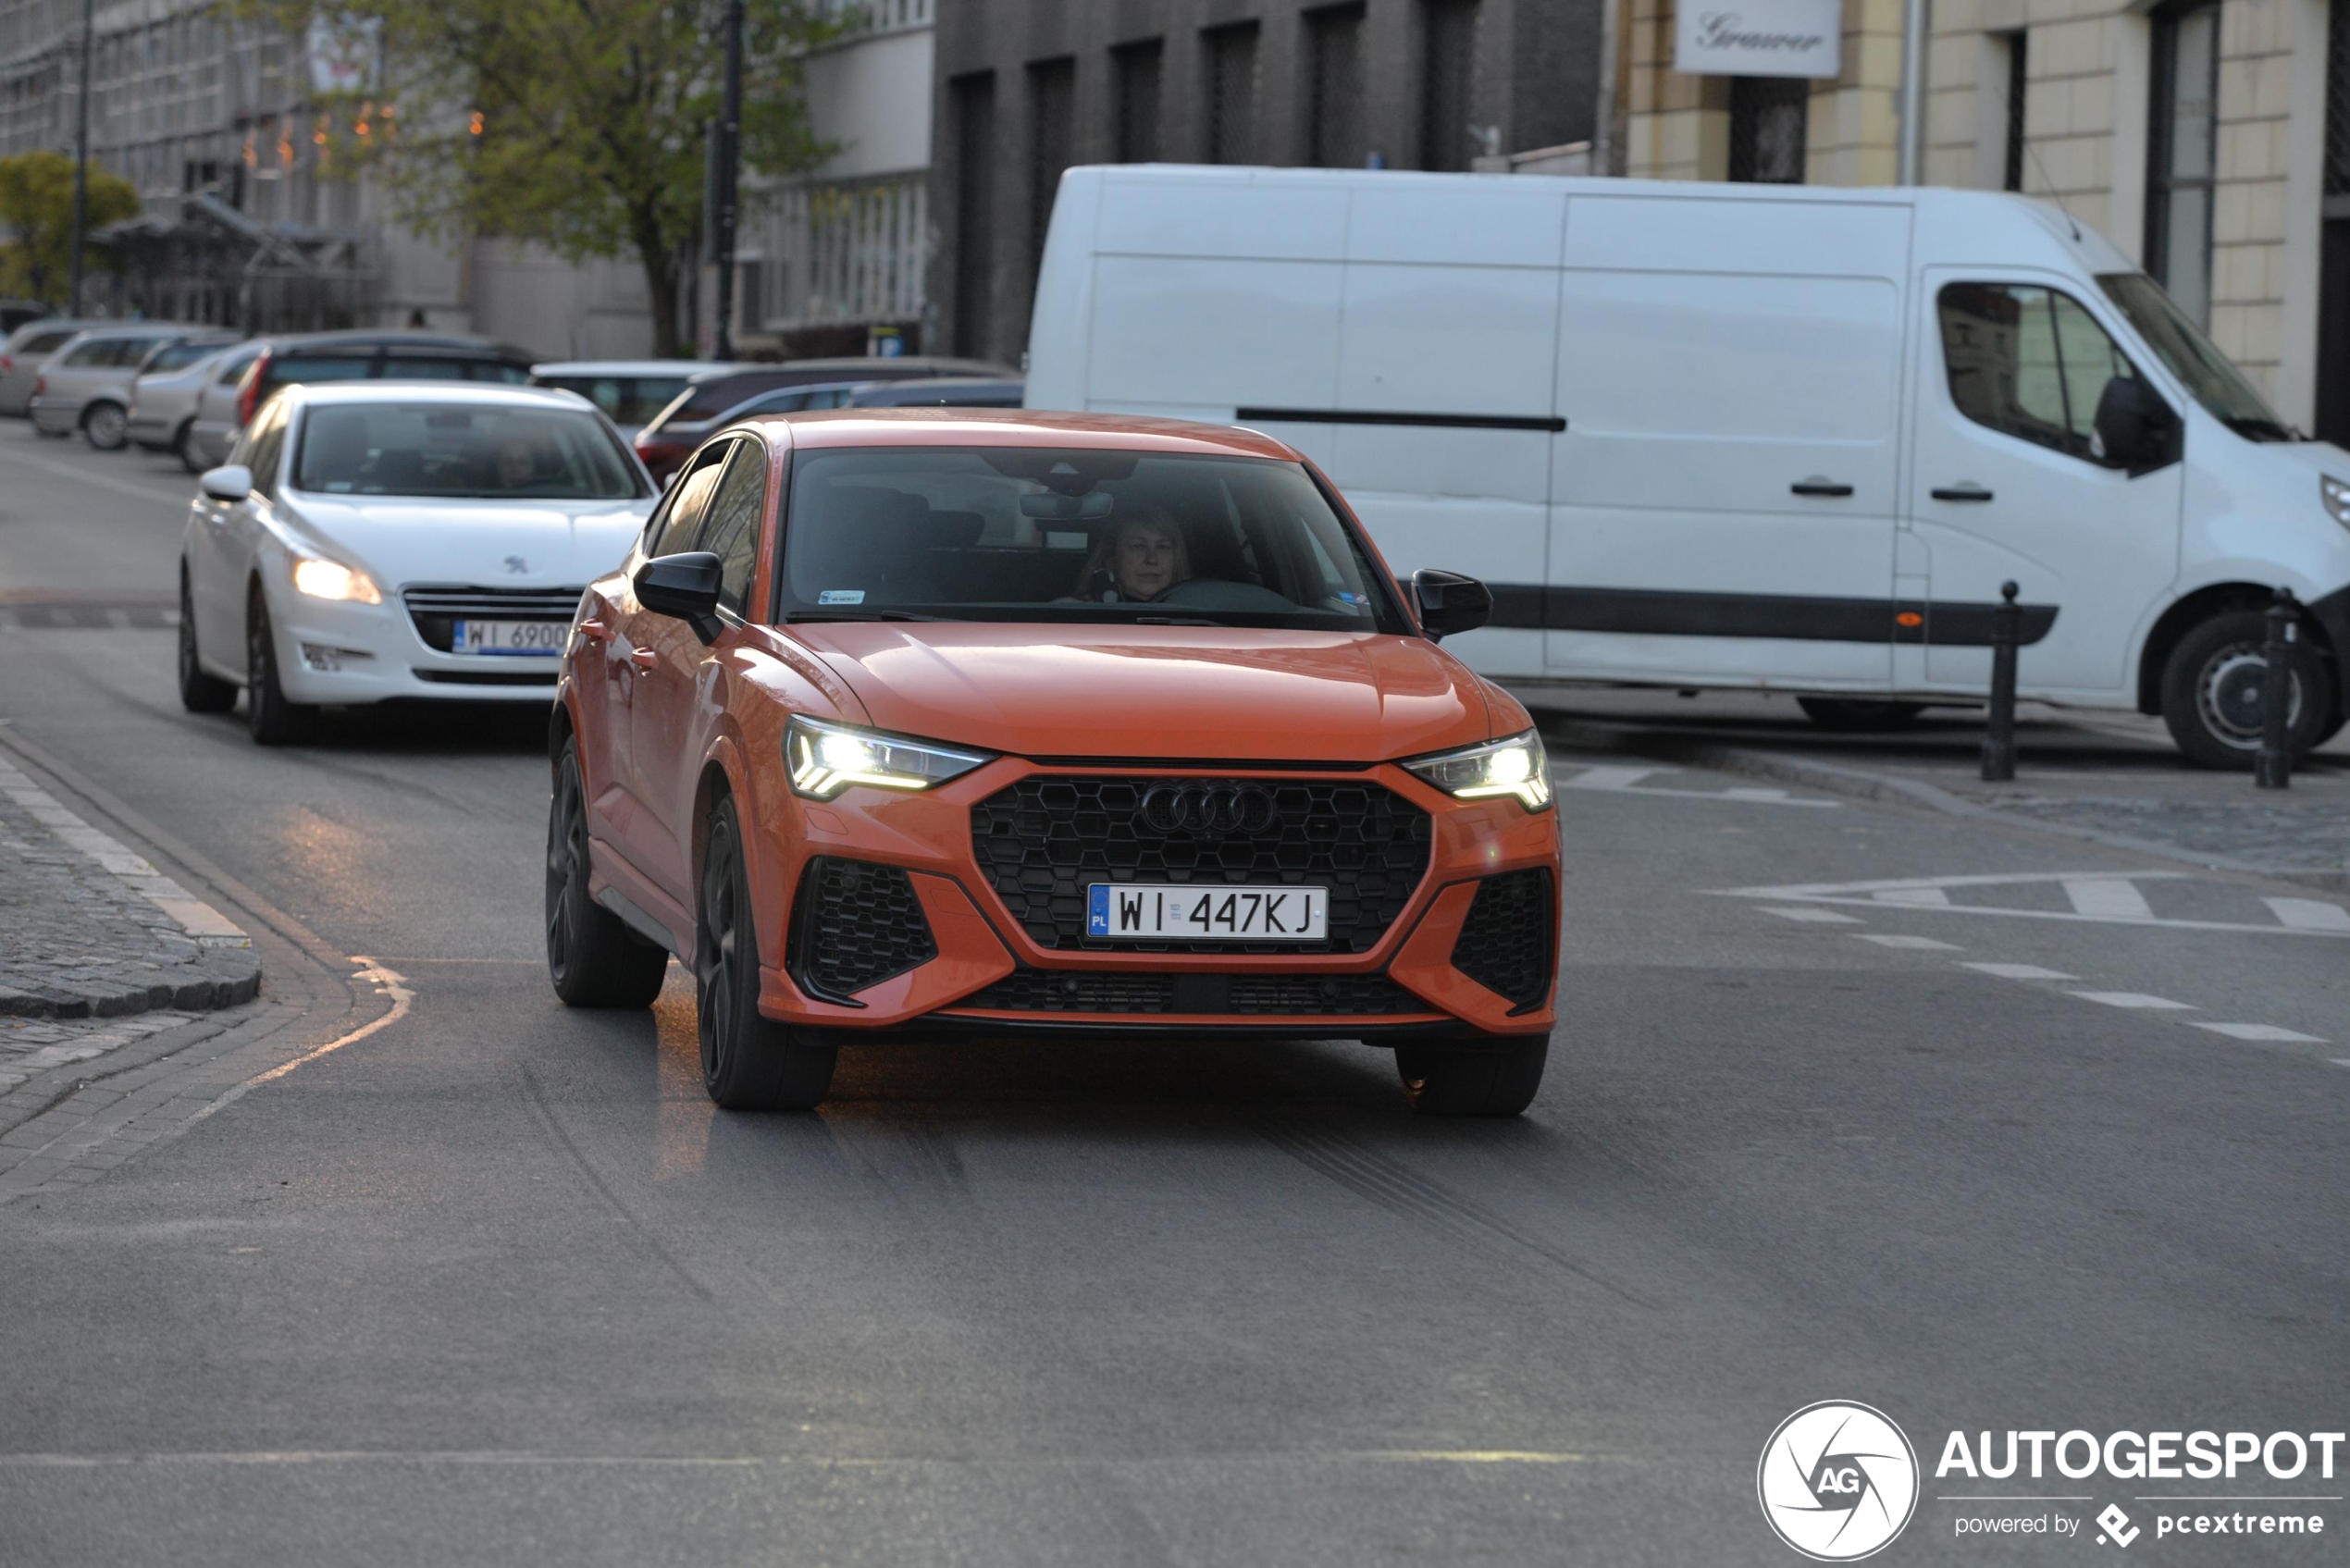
x=1516, y=766
x=2337, y=498
x=321, y=579
x=826, y=758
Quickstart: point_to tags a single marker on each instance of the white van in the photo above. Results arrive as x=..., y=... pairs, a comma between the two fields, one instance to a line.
x=1734, y=435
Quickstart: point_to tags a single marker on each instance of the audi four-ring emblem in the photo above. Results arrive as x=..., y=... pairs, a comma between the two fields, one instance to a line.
x=1209, y=809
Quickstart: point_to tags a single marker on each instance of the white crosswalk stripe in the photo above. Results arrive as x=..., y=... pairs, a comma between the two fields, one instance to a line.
x=2310, y=914
x=2267, y=1031
x=2108, y=899
x=2137, y=999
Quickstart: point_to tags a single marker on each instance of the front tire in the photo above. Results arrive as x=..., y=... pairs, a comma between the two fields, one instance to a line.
x=1454, y=1081
x=594, y=960
x=749, y=1062
x=104, y=426
x=184, y=446
x=273, y=720
x=199, y=692
x=1857, y=716
x=2213, y=692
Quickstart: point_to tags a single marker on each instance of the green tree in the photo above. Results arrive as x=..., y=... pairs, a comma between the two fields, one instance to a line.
x=36, y=200
x=577, y=123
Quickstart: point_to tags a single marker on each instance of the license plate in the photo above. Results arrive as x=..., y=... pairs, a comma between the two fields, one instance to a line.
x=1149, y=912
x=529, y=639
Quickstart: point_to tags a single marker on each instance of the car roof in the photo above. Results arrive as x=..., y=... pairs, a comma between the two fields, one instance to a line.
x=392, y=337
x=688, y=368
x=846, y=427
x=136, y=330
x=390, y=390
x=931, y=386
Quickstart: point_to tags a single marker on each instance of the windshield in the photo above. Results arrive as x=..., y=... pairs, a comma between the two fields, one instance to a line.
x=2193, y=358
x=479, y=452
x=1040, y=534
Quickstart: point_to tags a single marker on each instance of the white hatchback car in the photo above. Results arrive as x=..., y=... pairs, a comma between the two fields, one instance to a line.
x=370, y=540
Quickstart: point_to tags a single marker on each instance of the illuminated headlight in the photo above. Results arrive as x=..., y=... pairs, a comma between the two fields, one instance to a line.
x=1515, y=767
x=826, y=758
x=321, y=579
x=2336, y=496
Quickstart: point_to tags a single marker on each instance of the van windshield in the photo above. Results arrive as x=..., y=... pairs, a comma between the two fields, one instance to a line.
x=1078, y=534
x=2218, y=386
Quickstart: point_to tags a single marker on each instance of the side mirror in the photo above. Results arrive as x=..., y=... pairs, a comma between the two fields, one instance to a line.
x=2135, y=427
x=230, y=482
x=1449, y=602
x=684, y=588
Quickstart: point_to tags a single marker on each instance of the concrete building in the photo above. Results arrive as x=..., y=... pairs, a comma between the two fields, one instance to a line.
x=1027, y=87
x=2209, y=138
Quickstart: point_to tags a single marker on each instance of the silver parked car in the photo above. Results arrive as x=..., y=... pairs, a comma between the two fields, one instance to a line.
x=165, y=392
x=28, y=348
x=86, y=384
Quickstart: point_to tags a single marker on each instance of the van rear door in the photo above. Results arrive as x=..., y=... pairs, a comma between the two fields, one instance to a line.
x=1724, y=494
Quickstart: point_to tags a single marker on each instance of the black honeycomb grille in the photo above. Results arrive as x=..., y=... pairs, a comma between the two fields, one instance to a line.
x=856, y=925
x=1507, y=945
x=1258, y=996
x=1042, y=841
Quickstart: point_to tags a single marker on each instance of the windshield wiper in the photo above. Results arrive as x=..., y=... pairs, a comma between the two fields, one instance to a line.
x=1173, y=620
x=2253, y=429
x=797, y=615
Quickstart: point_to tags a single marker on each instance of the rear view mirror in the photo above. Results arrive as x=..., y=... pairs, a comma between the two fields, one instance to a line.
x=1047, y=507
x=1449, y=602
x=2135, y=427
x=684, y=588
x=230, y=482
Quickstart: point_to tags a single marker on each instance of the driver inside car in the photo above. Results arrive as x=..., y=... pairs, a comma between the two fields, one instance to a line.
x=1136, y=558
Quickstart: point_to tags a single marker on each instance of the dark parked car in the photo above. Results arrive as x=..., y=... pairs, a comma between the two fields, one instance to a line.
x=358, y=356
x=959, y=391
x=675, y=431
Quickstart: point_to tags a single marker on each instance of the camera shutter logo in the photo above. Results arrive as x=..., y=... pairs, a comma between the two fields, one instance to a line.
x=1837, y=1481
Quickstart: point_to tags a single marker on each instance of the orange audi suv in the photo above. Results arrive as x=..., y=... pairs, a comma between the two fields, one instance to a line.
x=919, y=723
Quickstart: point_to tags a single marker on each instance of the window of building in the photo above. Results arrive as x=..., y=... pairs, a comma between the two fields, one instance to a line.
x=2029, y=362
x=2333, y=420
x=1052, y=107
x=1231, y=93
x=2184, y=154
x=1448, y=82
x=2011, y=149
x=1334, y=87
x=1135, y=75
x=1767, y=125
x=973, y=100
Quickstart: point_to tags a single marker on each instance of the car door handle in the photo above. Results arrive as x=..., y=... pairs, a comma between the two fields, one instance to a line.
x=593, y=631
x=1816, y=486
x=645, y=658
x=1963, y=492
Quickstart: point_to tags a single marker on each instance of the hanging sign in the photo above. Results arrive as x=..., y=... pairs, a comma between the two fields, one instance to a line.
x=1758, y=37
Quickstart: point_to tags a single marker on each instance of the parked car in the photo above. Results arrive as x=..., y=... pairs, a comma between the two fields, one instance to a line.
x=957, y=392
x=28, y=348
x=630, y=391
x=1737, y=436
x=670, y=436
x=163, y=395
x=1046, y=722
x=375, y=542
x=86, y=384
x=351, y=356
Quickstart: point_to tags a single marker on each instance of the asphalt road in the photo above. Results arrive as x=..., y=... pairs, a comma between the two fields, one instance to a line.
x=496, y=1284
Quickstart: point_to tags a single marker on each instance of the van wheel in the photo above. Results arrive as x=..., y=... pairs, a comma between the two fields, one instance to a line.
x=2213, y=690
x=593, y=958
x=103, y=427
x=199, y=692
x=272, y=719
x=1470, y=1081
x=748, y=1063
x=1855, y=716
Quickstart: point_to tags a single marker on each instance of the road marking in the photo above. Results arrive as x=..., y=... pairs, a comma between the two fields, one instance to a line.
x=2310, y=914
x=1610, y=778
x=1918, y=943
x=2021, y=972
x=1915, y=897
x=2260, y=1032
x=2110, y=898
x=2133, y=999
x=1821, y=917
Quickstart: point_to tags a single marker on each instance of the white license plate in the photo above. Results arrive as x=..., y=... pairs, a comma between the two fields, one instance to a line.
x=530, y=640
x=1150, y=911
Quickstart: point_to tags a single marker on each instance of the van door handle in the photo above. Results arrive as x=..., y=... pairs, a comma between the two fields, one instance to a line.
x=1963, y=492
x=1815, y=486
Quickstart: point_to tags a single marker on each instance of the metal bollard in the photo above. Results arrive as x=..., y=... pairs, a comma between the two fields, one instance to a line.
x=2273, y=767
x=1999, y=745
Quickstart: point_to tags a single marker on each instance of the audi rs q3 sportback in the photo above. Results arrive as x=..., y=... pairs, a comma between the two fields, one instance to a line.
x=916, y=723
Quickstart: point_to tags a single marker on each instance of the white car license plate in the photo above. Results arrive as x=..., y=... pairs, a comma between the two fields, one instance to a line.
x=1150, y=911
x=527, y=638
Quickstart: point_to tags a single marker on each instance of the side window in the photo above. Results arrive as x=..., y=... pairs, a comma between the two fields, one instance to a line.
x=234, y=371
x=687, y=501
x=732, y=533
x=2030, y=363
x=88, y=354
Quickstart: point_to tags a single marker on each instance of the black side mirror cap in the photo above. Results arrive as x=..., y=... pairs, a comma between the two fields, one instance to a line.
x=685, y=588
x=2136, y=428
x=1449, y=602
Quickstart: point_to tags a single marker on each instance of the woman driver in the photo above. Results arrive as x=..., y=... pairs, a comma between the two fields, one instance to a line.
x=1136, y=558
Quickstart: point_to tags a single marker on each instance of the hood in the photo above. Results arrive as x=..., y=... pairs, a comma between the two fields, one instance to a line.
x=1177, y=692
x=400, y=542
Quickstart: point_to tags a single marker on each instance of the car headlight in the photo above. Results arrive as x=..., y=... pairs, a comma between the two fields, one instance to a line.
x=826, y=758
x=1516, y=766
x=2336, y=496
x=322, y=578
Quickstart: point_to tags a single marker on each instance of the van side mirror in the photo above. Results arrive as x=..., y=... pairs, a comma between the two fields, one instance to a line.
x=231, y=482
x=2136, y=429
x=684, y=588
x=1449, y=602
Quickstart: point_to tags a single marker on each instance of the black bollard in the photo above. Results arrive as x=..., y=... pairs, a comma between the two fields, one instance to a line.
x=1999, y=745
x=2273, y=767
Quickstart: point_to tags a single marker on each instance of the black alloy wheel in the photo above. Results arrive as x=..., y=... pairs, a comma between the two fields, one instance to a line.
x=592, y=958
x=1499, y=1079
x=749, y=1062
x=105, y=425
x=272, y=719
x=2215, y=692
x=1857, y=715
x=199, y=692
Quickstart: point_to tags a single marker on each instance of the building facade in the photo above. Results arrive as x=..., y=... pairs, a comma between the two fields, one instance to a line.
x=2209, y=139
x=1026, y=89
